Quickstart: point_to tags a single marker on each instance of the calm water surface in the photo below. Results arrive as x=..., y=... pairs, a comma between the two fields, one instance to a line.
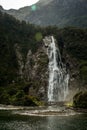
x=9, y=121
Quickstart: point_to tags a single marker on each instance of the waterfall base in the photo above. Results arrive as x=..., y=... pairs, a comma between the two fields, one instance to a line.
x=57, y=103
x=48, y=111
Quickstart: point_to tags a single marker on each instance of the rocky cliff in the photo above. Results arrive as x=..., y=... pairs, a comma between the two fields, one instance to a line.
x=35, y=69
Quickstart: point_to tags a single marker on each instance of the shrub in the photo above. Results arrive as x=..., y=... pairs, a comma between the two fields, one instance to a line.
x=80, y=100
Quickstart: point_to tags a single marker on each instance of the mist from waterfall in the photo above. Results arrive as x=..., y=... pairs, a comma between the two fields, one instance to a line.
x=58, y=75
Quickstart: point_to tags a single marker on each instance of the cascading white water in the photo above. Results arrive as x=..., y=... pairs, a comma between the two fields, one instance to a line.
x=58, y=76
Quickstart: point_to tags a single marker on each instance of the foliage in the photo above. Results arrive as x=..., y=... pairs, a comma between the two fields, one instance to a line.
x=80, y=100
x=83, y=73
x=14, y=32
x=75, y=42
x=15, y=95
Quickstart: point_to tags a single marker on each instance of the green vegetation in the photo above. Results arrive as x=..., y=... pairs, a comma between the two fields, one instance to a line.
x=14, y=32
x=80, y=100
x=83, y=71
x=17, y=95
x=14, y=90
x=75, y=41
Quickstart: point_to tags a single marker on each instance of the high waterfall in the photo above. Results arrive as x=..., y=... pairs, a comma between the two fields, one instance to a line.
x=58, y=75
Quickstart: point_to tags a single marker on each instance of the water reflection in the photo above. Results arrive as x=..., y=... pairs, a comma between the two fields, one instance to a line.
x=17, y=122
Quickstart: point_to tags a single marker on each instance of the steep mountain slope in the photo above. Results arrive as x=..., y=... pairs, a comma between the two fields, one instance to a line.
x=24, y=62
x=55, y=12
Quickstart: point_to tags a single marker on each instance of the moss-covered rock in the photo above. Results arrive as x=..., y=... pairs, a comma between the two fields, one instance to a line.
x=80, y=100
x=16, y=95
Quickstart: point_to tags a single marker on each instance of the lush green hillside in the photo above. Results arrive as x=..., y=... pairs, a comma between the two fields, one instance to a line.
x=13, y=89
x=14, y=32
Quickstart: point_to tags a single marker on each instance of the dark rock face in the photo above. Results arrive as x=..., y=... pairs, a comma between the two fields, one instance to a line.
x=74, y=82
x=55, y=12
x=35, y=69
x=39, y=73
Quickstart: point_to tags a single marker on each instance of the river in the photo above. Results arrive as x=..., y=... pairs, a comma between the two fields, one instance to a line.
x=23, y=120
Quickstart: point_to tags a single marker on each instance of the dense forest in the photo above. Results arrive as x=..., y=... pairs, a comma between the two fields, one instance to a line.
x=13, y=89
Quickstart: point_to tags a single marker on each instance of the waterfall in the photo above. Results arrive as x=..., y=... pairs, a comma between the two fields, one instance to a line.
x=58, y=75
